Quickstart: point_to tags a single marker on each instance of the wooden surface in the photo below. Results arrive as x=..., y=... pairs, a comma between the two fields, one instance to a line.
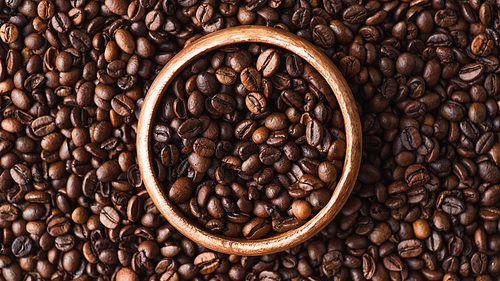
x=295, y=44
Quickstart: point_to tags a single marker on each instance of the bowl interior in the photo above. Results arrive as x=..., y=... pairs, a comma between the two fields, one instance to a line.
x=276, y=242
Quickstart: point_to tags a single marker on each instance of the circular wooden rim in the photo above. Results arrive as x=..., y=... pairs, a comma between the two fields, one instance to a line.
x=347, y=104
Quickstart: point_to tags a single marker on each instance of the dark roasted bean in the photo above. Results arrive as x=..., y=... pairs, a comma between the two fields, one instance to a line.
x=249, y=140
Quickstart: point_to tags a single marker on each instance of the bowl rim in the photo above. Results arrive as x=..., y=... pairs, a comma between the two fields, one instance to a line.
x=352, y=124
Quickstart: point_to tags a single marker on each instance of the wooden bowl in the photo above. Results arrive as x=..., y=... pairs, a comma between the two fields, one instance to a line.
x=308, y=52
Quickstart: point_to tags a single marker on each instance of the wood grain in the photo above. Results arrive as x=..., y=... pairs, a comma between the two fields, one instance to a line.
x=292, y=43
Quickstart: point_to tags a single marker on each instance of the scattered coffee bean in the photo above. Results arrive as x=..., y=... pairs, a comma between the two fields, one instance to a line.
x=73, y=75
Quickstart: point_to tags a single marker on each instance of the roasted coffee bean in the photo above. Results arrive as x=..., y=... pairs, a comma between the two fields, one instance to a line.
x=256, y=102
x=314, y=132
x=58, y=226
x=108, y=171
x=109, y=217
x=294, y=65
x=20, y=174
x=251, y=79
x=410, y=138
x=80, y=40
x=478, y=262
x=369, y=266
x=323, y=36
x=207, y=262
x=445, y=18
x=204, y=147
x=223, y=103
x=471, y=71
x=43, y=125
x=226, y=76
x=410, y=248
x=8, y=33
x=125, y=41
x=61, y=22
x=270, y=155
x=393, y=263
x=122, y=105
x=481, y=45
x=189, y=128
x=22, y=246
x=355, y=14
x=245, y=129
x=268, y=62
x=452, y=205
x=256, y=228
x=181, y=190
x=301, y=17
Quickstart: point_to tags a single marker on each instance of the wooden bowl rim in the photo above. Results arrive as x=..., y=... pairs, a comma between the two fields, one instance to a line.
x=317, y=59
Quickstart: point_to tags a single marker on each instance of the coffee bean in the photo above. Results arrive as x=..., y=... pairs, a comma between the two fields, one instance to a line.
x=189, y=128
x=411, y=138
x=268, y=62
x=452, y=205
x=80, y=40
x=223, y=103
x=251, y=79
x=410, y=248
x=478, y=262
x=22, y=246
x=393, y=263
x=471, y=71
x=405, y=63
x=477, y=112
x=314, y=132
x=64, y=242
x=181, y=190
x=125, y=41
x=116, y=69
x=58, y=226
x=206, y=83
x=256, y=228
x=445, y=18
x=369, y=266
x=490, y=196
x=294, y=65
x=416, y=175
x=256, y=102
x=301, y=17
x=61, y=22
x=8, y=33
x=43, y=125
x=269, y=155
x=327, y=172
x=108, y=171
x=204, y=147
x=332, y=260
x=20, y=174
x=207, y=262
x=481, y=45
x=323, y=36
x=226, y=76
x=245, y=129
x=355, y=14
x=301, y=209
x=109, y=217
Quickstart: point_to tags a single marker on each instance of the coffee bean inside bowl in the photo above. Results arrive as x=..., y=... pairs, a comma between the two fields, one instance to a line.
x=249, y=141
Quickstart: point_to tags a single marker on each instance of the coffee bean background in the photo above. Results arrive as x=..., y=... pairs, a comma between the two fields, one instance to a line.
x=73, y=75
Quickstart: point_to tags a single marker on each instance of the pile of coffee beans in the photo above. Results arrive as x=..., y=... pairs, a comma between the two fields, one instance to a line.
x=425, y=74
x=251, y=140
